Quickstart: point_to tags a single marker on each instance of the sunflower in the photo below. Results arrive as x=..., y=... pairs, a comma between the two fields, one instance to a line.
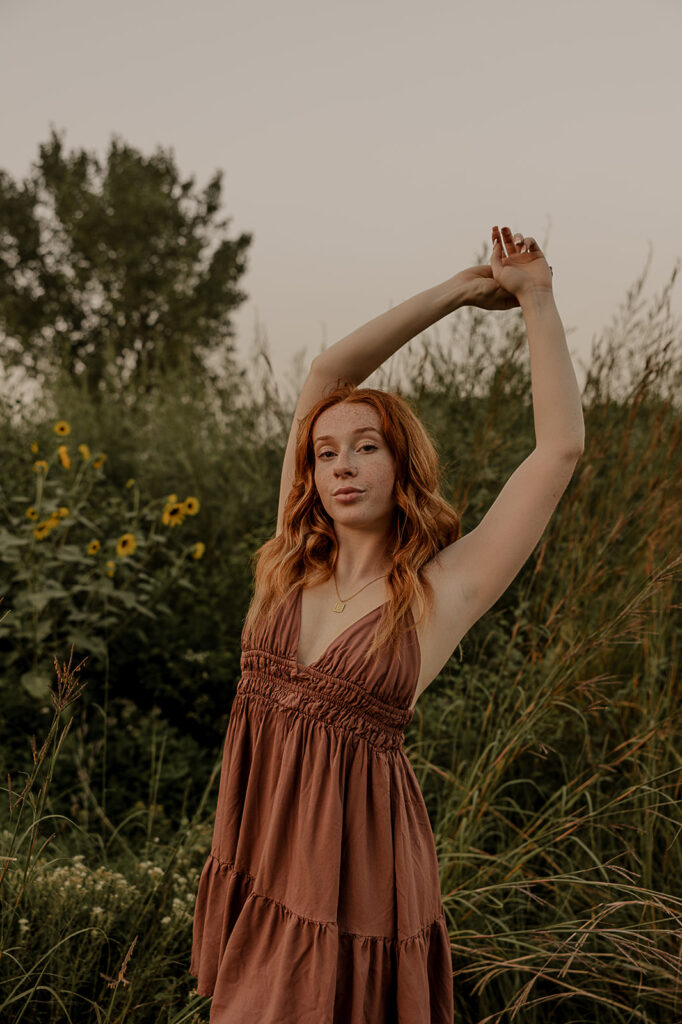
x=31, y=512
x=34, y=447
x=173, y=515
x=99, y=462
x=40, y=464
x=62, y=428
x=111, y=568
x=199, y=549
x=63, y=453
x=127, y=545
x=85, y=451
x=191, y=506
x=41, y=531
x=93, y=547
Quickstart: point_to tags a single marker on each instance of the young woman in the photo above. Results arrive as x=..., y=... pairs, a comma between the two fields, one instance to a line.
x=320, y=901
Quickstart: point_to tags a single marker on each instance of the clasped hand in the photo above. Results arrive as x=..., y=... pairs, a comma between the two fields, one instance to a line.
x=503, y=283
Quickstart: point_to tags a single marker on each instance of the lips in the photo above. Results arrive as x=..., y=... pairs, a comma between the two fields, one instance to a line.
x=348, y=490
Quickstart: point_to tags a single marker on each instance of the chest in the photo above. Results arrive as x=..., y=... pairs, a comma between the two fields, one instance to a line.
x=323, y=620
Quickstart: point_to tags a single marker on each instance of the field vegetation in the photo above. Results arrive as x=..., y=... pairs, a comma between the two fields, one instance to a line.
x=547, y=750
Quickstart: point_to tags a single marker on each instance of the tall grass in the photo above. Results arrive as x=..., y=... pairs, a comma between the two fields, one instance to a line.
x=547, y=748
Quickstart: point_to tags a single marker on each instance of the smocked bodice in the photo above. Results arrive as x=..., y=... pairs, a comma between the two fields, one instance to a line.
x=372, y=702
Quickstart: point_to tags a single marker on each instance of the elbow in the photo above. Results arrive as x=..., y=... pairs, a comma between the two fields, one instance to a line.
x=565, y=450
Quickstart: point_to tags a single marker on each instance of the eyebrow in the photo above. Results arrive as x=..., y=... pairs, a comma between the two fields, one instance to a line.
x=358, y=430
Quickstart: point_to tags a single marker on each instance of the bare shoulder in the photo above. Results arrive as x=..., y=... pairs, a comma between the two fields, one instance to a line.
x=442, y=628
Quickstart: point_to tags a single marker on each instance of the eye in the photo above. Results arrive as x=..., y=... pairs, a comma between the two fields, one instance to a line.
x=372, y=447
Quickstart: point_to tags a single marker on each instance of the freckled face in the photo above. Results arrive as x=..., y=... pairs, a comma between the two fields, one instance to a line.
x=351, y=451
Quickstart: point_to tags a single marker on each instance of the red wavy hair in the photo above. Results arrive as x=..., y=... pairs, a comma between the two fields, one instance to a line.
x=306, y=549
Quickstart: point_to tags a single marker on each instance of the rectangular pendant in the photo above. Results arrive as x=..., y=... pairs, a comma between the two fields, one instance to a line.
x=339, y=606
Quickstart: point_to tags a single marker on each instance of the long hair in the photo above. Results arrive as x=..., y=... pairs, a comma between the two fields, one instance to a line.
x=306, y=550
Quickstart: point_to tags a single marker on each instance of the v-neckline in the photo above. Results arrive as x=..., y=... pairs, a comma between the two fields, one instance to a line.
x=332, y=643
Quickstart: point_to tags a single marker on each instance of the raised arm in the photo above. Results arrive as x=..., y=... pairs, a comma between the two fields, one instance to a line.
x=357, y=355
x=360, y=353
x=479, y=566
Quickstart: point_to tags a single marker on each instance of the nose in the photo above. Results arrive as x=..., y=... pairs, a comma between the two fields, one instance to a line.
x=343, y=464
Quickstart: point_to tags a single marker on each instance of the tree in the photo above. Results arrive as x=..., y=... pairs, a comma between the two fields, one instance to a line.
x=113, y=274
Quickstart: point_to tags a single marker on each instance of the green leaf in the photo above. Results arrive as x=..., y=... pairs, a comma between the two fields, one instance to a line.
x=72, y=553
x=83, y=641
x=40, y=598
x=8, y=540
x=37, y=684
x=43, y=629
x=185, y=585
x=145, y=611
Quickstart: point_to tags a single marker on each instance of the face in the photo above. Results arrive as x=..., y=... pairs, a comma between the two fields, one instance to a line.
x=351, y=451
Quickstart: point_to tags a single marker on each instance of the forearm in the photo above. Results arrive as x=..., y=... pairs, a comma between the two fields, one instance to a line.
x=360, y=353
x=557, y=409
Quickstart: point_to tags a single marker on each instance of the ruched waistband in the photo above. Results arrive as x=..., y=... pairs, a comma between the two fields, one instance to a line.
x=334, y=700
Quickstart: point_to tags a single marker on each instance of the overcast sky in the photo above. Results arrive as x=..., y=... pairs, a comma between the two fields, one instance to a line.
x=370, y=146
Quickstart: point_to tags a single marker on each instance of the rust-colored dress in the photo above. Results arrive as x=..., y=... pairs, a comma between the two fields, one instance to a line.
x=320, y=900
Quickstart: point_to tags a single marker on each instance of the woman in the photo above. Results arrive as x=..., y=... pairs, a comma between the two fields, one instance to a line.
x=320, y=899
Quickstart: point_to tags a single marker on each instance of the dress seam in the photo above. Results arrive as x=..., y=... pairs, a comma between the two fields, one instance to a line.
x=231, y=866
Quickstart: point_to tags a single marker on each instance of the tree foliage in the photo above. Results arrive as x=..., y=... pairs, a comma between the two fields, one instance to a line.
x=109, y=273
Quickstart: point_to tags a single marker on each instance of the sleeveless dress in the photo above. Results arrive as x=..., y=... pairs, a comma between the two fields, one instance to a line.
x=320, y=901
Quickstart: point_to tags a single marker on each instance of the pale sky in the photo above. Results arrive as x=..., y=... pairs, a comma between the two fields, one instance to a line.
x=370, y=146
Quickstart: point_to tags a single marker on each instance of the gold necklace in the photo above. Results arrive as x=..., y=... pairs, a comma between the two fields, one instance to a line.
x=341, y=604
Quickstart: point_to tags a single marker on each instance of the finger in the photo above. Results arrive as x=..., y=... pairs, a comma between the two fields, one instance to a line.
x=518, y=241
x=498, y=252
x=509, y=240
x=531, y=245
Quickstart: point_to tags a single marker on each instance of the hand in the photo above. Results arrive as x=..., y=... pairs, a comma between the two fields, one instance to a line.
x=524, y=269
x=482, y=290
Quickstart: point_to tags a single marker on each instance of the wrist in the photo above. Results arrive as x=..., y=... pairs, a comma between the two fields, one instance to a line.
x=451, y=295
x=535, y=297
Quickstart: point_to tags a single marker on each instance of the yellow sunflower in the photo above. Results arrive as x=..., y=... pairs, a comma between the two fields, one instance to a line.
x=62, y=428
x=34, y=447
x=173, y=515
x=63, y=453
x=40, y=464
x=31, y=512
x=111, y=568
x=99, y=462
x=85, y=451
x=199, y=549
x=191, y=506
x=93, y=547
x=127, y=545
